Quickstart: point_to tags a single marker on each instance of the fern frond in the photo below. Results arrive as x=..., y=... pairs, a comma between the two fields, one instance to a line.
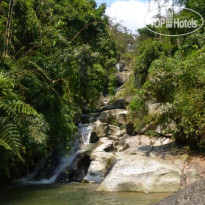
x=4, y=144
x=9, y=134
x=10, y=113
x=23, y=108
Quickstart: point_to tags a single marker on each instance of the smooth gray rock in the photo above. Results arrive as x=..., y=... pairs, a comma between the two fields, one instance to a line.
x=122, y=77
x=115, y=115
x=148, y=164
x=117, y=104
x=193, y=194
x=106, y=130
x=142, y=174
x=101, y=162
x=121, y=119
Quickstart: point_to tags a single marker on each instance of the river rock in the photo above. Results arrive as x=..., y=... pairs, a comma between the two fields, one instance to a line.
x=142, y=174
x=99, y=129
x=93, y=137
x=106, y=130
x=149, y=164
x=110, y=115
x=121, y=119
x=117, y=104
x=101, y=162
x=193, y=194
x=122, y=77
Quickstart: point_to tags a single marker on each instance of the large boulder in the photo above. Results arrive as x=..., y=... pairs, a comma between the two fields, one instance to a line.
x=101, y=161
x=117, y=104
x=158, y=108
x=121, y=119
x=107, y=116
x=165, y=128
x=99, y=129
x=89, y=118
x=122, y=77
x=193, y=194
x=148, y=164
x=142, y=174
x=115, y=115
x=106, y=130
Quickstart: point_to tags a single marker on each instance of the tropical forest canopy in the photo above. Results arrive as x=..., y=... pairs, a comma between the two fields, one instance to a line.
x=60, y=56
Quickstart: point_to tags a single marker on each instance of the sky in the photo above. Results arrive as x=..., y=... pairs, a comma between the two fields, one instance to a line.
x=129, y=13
x=110, y=2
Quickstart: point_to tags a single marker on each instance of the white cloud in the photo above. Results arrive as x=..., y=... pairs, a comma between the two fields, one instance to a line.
x=130, y=13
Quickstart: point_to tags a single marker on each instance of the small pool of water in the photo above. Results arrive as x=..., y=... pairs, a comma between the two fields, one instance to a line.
x=72, y=194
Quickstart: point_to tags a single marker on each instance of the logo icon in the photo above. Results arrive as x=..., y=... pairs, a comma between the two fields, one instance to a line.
x=169, y=18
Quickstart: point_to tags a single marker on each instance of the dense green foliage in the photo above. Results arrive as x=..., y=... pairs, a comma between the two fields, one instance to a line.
x=61, y=55
x=171, y=72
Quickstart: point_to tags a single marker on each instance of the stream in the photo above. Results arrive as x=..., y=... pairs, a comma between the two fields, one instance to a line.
x=73, y=194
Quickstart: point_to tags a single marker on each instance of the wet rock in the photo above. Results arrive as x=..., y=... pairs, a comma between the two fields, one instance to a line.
x=84, y=119
x=76, y=171
x=93, y=137
x=194, y=194
x=93, y=117
x=79, y=169
x=46, y=170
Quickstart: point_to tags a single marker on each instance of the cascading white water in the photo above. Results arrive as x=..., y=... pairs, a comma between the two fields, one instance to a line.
x=118, y=67
x=85, y=132
x=61, y=166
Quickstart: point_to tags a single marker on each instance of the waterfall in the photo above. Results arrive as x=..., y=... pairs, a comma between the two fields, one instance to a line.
x=118, y=67
x=46, y=175
x=60, y=166
x=85, y=132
